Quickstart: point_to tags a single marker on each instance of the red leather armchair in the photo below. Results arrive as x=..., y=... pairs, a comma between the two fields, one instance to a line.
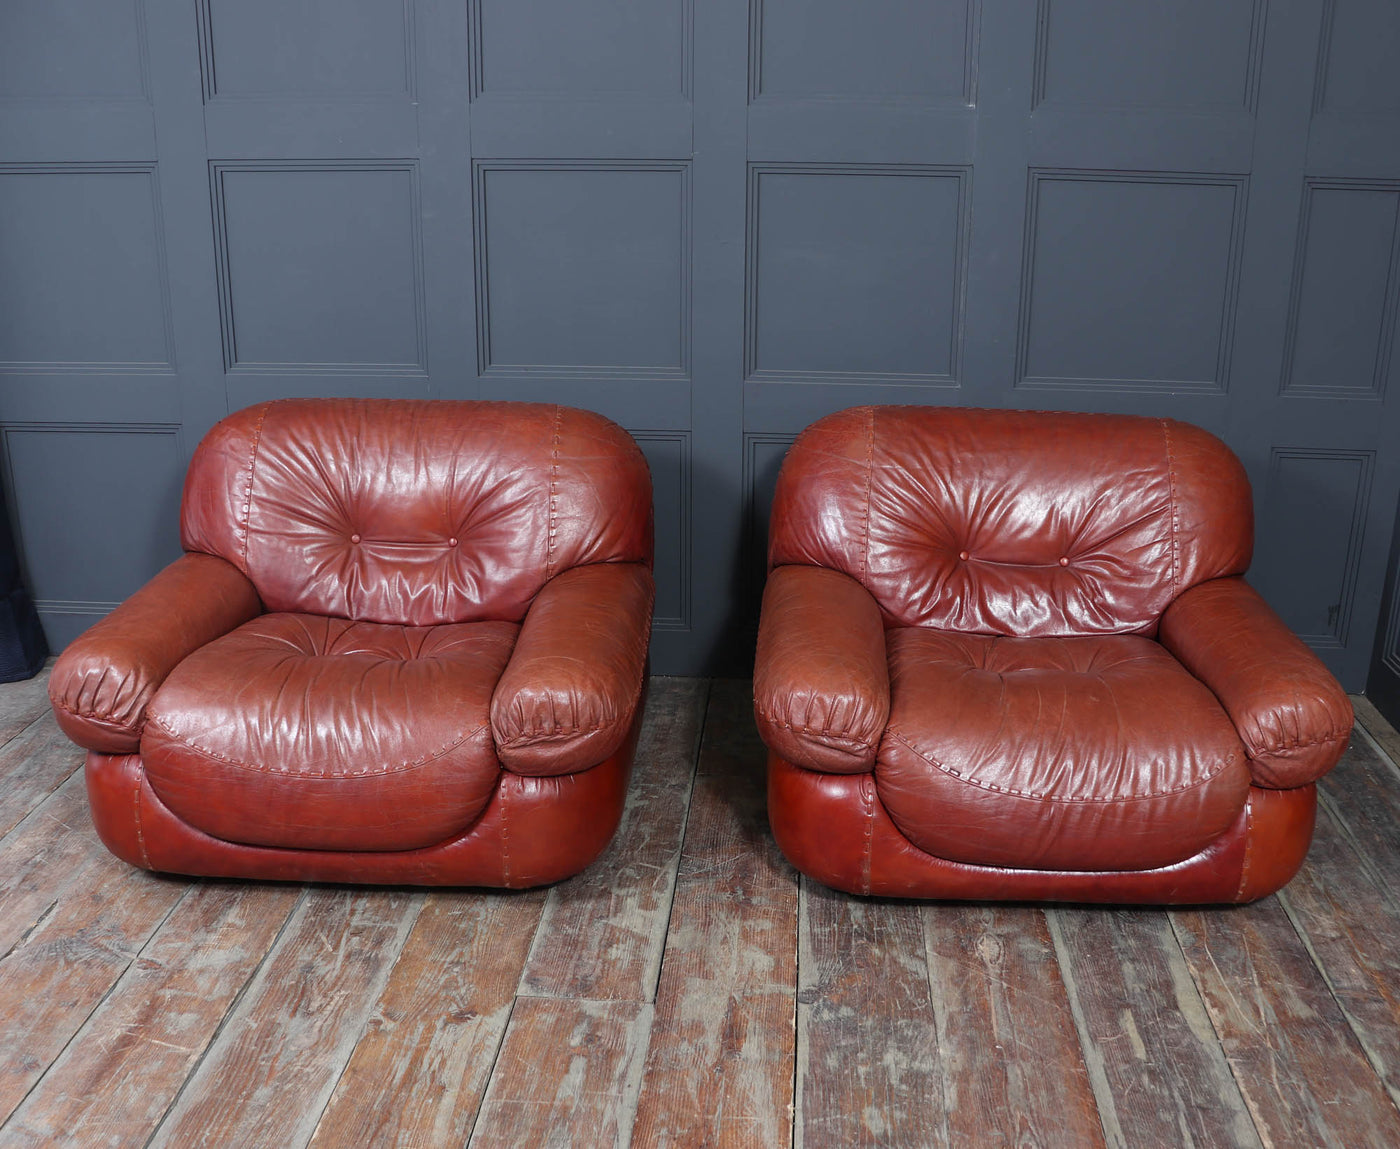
x=1010, y=654
x=406, y=643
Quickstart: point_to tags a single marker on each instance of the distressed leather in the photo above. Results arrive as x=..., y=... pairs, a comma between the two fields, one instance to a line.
x=821, y=686
x=104, y=680
x=1292, y=715
x=573, y=685
x=305, y=731
x=1087, y=753
x=376, y=594
x=1071, y=692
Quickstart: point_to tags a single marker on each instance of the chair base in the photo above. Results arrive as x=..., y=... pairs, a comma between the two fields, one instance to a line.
x=534, y=831
x=834, y=828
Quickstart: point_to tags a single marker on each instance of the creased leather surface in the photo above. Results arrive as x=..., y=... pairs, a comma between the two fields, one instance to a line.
x=1087, y=753
x=821, y=682
x=302, y=731
x=1013, y=522
x=569, y=693
x=1292, y=715
x=103, y=681
x=833, y=828
x=415, y=513
x=533, y=831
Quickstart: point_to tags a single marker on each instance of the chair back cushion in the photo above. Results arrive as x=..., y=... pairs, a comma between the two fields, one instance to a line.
x=418, y=513
x=1013, y=522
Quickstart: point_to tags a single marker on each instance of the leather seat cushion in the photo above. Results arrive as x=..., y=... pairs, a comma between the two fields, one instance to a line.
x=1055, y=753
x=310, y=732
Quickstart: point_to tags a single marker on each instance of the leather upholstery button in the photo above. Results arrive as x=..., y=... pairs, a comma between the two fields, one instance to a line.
x=1064, y=562
x=964, y=556
x=354, y=538
x=451, y=542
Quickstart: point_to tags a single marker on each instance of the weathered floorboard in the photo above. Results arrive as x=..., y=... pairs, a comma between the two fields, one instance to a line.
x=418, y=1075
x=603, y=931
x=719, y=1070
x=36, y=762
x=1008, y=1050
x=1377, y=727
x=1299, y=1066
x=1157, y=1068
x=60, y=971
x=1363, y=794
x=1351, y=925
x=567, y=1074
x=267, y=1077
x=114, y=1082
x=50, y=856
x=868, y=1062
x=21, y=703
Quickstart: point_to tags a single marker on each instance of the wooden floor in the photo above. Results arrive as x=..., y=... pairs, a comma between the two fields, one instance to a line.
x=687, y=990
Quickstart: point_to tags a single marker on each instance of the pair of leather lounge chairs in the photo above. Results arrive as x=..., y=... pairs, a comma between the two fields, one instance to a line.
x=1002, y=655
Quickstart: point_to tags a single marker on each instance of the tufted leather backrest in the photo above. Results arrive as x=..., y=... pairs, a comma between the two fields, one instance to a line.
x=1013, y=522
x=416, y=513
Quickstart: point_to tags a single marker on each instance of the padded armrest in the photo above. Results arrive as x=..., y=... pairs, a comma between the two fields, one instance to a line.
x=1291, y=714
x=103, y=681
x=821, y=682
x=571, y=688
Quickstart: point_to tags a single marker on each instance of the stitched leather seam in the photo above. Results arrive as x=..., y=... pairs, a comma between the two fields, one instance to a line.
x=1289, y=747
x=248, y=494
x=1171, y=506
x=505, y=833
x=812, y=732
x=869, y=480
x=116, y=724
x=1230, y=761
x=867, y=787
x=136, y=813
x=415, y=764
x=568, y=732
x=1248, y=850
x=553, y=496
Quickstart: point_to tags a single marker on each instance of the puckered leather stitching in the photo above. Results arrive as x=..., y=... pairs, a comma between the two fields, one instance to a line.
x=1171, y=507
x=992, y=788
x=869, y=482
x=553, y=495
x=112, y=724
x=248, y=494
x=136, y=816
x=531, y=736
x=813, y=732
x=1290, y=747
x=403, y=768
x=1248, y=848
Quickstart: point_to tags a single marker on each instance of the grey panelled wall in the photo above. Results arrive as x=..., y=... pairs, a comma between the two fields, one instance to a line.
x=714, y=221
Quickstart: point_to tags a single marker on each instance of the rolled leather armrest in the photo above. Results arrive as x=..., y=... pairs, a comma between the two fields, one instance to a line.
x=571, y=688
x=104, y=679
x=821, y=683
x=1291, y=714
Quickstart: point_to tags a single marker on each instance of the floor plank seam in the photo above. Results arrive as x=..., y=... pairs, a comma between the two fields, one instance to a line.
x=1363, y=858
x=1093, y=1061
x=1372, y=1059
x=1379, y=748
x=38, y=810
x=233, y=1005
x=490, y=1074
x=81, y=1029
x=1260, y=1130
x=23, y=730
x=420, y=898
x=939, y=1014
x=29, y=930
x=799, y=1043
x=685, y=829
